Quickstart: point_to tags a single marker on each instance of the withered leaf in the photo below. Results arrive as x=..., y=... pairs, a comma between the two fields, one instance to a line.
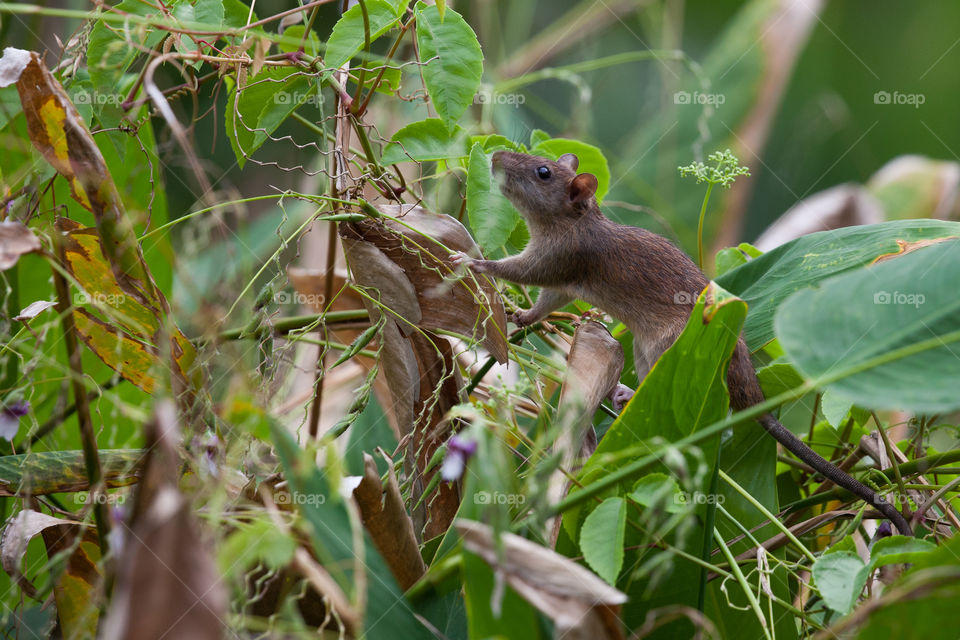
x=385, y=517
x=414, y=244
x=581, y=605
x=16, y=239
x=17, y=535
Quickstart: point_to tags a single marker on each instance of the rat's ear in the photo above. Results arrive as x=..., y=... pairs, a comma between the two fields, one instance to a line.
x=582, y=187
x=569, y=160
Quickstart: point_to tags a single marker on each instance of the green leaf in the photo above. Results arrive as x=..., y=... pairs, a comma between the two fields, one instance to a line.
x=492, y=217
x=262, y=106
x=453, y=61
x=601, y=538
x=899, y=550
x=495, y=141
x=236, y=14
x=591, y=158
x=840, y=577
x=728, y=259
x=347, y=37
x=426, y=140
x=765, y=282
x=538, y=136
x=777, y=378
x=311, y=46
x=905, y=312
x=658, y=490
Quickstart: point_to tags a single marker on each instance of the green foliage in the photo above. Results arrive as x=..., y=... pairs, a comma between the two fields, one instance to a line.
x=453, y=61
x=885, y=329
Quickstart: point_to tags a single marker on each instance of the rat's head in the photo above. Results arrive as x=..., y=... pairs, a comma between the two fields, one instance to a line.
x=540, y=188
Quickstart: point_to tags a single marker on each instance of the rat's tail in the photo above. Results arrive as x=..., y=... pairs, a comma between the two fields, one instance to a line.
x=798, y=447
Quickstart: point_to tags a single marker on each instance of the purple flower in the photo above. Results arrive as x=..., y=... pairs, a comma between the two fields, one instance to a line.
x=459, y=451
x=10, y=418
x=885, y=530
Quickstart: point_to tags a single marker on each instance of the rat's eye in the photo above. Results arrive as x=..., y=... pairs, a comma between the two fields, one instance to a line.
x=543, y=173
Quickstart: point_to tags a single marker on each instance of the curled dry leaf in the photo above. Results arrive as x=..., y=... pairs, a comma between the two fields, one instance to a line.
x=581, y=605
x=593, y=369
x=17, y=535
x=16, y=239
x=34, y=309
x=414, y=244
x=845, y=205
x=385, y=517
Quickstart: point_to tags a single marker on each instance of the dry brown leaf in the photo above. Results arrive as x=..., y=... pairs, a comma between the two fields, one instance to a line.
x=593, y=369
x=16, y=239
x=414, y=245
x=17, y=535
x=385, y=517
x=581, y=605
x=33, y=309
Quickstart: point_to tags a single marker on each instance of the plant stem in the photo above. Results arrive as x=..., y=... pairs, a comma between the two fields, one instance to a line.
x=703, y=214
x=88, y=438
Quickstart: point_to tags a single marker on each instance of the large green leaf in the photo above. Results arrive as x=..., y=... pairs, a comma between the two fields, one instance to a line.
x=64, y=471
x=453, y=61
x=492, y=217
x=765, y=282
x=388, y=614
x=348, y=37
x=426, y=140
x=883, y=337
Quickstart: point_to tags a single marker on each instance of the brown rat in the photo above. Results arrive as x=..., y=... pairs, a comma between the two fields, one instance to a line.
x=639, y=277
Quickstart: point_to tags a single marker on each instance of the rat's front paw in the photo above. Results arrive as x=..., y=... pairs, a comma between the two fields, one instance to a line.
x=619, y=397
x=459, y=258
x=522, y=318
